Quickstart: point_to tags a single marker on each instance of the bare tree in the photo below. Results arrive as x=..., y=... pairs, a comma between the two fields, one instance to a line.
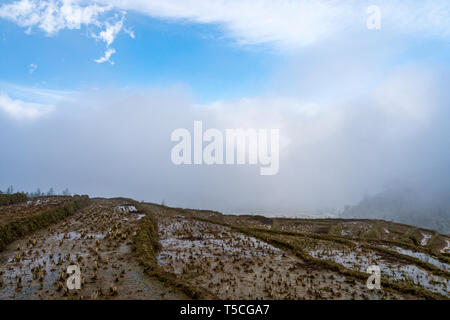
x=51, y=192
x=10, y=190
x=37, y=193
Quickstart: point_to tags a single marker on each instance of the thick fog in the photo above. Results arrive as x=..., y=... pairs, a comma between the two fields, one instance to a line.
x=335, y=146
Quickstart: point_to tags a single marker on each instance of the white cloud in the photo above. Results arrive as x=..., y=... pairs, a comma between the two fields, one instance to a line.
x=130, y=32
x=31, y=103
x=32, y=67
x=52, y=16
x=21, y=110
x=111, y=30
x=36, y=94
x=282, y=23
x=297, y=23
x=106, y=58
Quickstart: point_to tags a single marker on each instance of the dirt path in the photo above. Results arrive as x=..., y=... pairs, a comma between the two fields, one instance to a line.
x=99, y=240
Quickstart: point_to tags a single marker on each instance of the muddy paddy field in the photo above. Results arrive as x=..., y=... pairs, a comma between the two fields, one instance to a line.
x=99, y=240
x=130, y=250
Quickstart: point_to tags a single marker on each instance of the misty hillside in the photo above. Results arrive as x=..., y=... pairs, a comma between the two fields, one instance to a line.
x=405, y=206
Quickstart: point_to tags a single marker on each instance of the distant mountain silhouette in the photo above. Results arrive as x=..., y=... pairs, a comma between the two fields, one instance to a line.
x=406, y=206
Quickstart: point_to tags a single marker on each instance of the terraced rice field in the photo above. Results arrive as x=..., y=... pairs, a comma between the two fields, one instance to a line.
x=99, y=240
x=220, y=256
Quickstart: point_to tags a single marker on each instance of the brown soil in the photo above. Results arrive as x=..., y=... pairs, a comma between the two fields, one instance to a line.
x=99, y=240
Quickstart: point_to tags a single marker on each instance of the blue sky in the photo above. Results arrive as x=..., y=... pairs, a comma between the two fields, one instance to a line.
x=162, y=54
x=228, y=57
x=84, y=84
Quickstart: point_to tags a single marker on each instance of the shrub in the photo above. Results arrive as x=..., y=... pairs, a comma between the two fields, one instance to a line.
x=414, y=239
x=9, y=199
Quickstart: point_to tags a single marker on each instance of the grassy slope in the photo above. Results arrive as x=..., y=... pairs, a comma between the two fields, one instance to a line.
x=15, y=230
